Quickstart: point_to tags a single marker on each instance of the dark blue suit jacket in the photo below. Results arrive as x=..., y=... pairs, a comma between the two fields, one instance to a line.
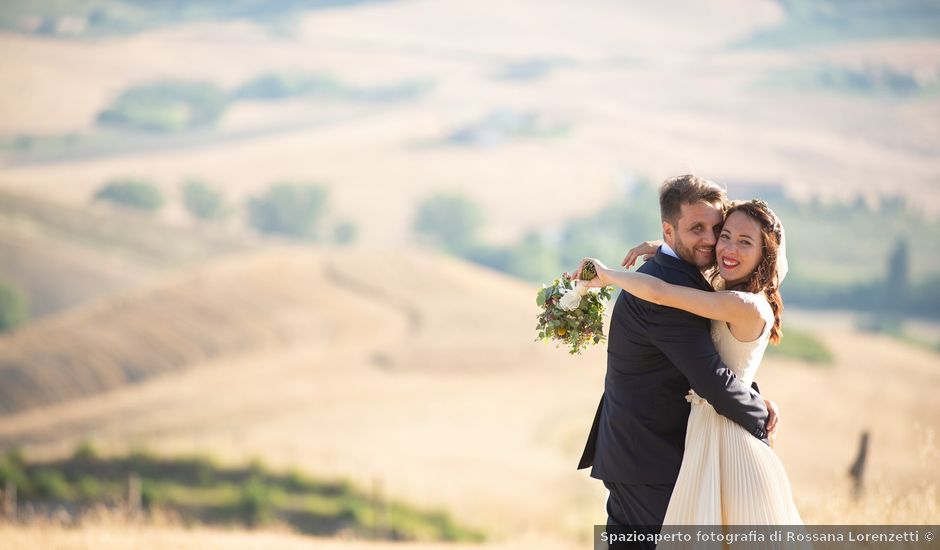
x=655, y=354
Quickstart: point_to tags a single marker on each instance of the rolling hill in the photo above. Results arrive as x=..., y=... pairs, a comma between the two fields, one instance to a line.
x=271, y=352
x=419, y=371
x=279, y=298
x=394, y=367
x=63, y=255
x=632, y=104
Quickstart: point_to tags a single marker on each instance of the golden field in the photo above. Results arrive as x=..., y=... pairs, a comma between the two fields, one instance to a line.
x=419, y=371
x=386, y=362
x=636, y=102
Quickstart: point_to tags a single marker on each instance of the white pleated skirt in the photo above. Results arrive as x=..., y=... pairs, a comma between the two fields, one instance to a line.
x=728, y=477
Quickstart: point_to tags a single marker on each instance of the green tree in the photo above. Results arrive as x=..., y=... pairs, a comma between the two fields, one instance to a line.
x=168, y=106
x=899, y=268
x=52, y=484
x=133, y=193
x=13, y=307
x=292, y=209
x=13, y=472
x=345, y=232
x=608, y=233
x=450, y=220
x=273, y=86
x=202, y=200
x=85, y=451
x=530, y=259
x=89, y=488
x=533, y=260
x=255, y=504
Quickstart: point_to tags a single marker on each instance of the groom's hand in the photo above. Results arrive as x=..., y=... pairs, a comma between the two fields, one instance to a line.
x=773, y=418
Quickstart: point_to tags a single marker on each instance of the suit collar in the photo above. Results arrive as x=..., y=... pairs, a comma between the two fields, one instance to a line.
x=671, y=262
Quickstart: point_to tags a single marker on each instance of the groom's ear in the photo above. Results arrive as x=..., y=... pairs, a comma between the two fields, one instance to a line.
x=668, y=233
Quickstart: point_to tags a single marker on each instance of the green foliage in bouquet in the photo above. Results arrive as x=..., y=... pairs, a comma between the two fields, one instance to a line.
x=578, y=328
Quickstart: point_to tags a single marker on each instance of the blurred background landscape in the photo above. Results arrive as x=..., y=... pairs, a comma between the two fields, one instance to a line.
x=268, y=270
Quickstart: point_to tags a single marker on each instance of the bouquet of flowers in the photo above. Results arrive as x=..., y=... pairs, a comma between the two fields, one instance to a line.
x=571, y=314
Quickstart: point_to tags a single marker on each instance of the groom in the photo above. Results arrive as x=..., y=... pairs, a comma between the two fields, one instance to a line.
x=655, y=354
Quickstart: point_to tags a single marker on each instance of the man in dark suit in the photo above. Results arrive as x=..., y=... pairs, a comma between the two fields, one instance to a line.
x=655, y=354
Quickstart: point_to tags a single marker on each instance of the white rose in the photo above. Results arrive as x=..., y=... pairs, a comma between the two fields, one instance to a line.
x=571, y=299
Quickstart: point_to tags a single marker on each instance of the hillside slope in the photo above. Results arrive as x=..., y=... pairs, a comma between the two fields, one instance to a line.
x=418, y=373
x=63, y=255
x=399, y=366
x=411, y=308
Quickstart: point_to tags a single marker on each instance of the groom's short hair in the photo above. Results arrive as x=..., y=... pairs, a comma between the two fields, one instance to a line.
x=688, y=189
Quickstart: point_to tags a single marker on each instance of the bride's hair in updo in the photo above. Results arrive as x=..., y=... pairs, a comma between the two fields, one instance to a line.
x=764, y=278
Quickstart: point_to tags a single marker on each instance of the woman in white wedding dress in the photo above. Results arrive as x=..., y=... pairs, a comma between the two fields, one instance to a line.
x=727, y=476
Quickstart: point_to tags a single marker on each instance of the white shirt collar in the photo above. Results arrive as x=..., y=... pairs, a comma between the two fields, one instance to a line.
x=668, y=250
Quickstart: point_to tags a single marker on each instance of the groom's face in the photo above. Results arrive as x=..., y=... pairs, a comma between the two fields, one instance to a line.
x=696, y=232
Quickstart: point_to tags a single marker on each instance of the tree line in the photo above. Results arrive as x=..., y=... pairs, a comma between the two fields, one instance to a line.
x=293, y=209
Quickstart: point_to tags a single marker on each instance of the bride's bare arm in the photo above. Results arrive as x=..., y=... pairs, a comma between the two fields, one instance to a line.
x=645, y=250
x=723, y=306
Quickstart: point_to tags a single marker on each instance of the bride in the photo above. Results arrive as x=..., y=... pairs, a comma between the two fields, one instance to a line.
x=727, y=476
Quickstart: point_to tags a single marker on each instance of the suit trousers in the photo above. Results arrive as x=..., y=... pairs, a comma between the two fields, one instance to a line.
x=639, y=508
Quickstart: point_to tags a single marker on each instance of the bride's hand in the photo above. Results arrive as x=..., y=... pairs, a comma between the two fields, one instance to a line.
x=646, y=249
x=602, y=278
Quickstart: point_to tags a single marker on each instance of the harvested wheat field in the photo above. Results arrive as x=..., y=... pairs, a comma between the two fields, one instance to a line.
x=370, y=365
x=114, y=535
x=384, y=364
x=631, y=104
x=431, y=384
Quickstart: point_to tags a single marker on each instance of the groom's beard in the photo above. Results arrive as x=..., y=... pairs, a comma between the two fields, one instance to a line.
x=697, y=256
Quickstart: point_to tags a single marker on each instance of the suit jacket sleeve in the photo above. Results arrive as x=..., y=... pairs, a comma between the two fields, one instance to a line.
x=684, y=339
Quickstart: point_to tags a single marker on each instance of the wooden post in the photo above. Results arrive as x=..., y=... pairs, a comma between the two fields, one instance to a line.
x=857, y=471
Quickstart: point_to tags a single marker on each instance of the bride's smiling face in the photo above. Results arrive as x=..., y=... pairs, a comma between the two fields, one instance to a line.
x=739, y=248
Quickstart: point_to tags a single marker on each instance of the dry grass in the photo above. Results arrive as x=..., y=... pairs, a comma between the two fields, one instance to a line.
x=127, y=538
x=425, y=306
x=317, y=353
x=420, y=371
x=382, y=363
x=883, y=503
x=107, y=530
x=62, y=255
